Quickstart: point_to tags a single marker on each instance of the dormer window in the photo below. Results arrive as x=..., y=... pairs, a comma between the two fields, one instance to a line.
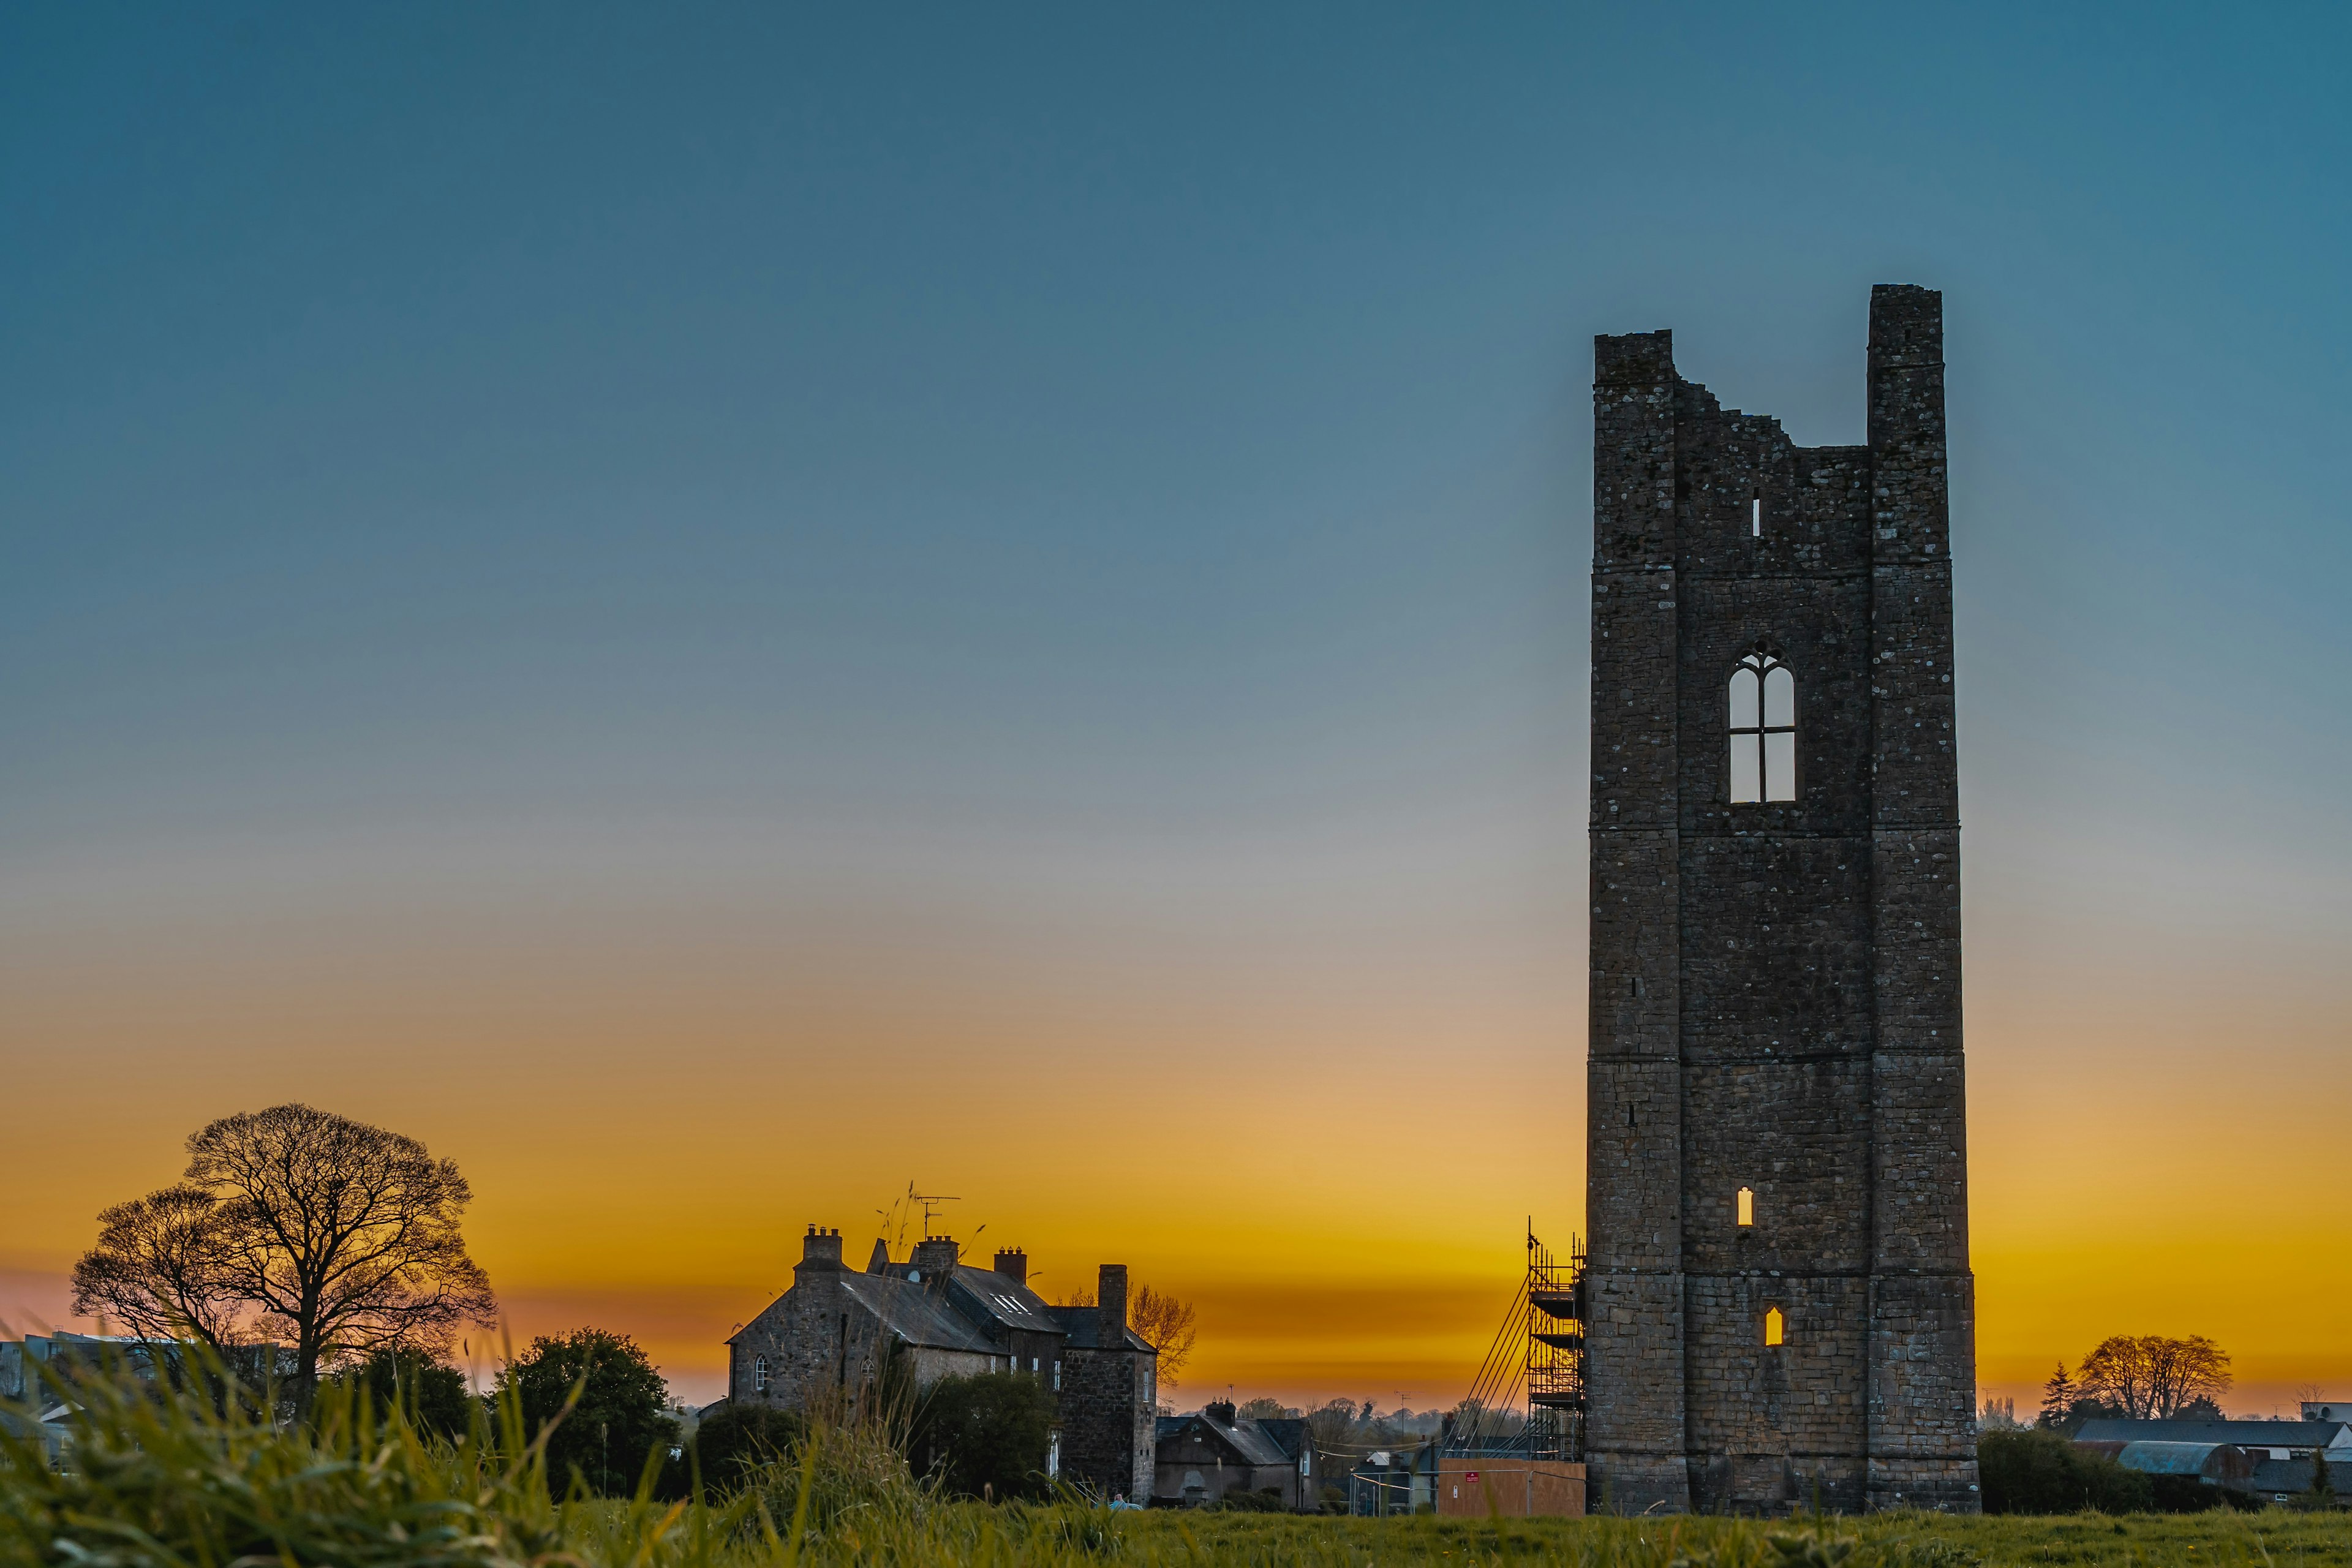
x=1763, y=731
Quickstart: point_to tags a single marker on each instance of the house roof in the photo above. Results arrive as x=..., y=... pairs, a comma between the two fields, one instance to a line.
x=1008, y=1301
x=1247, y=1440
x=975, y=1311
x=2244, y=1433
x=2294, y=1475
x=1084, y=1325
x=915, y=1313
x=982, y=1294
x=1288, y=1433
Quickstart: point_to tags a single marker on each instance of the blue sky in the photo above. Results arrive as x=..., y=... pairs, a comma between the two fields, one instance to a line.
x=1108, y=492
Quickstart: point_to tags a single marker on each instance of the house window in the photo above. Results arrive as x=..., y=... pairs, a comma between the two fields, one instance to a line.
x=1054, y=1456
x=1747, y=1205
x=1763, y=731
x=1057, y=1377
x=1756, y=518
x=1776, y=1327
x=759, y=1375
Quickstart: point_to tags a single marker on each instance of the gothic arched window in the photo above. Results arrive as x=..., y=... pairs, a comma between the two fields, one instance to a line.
x=759, y=1373
x=1763, y=731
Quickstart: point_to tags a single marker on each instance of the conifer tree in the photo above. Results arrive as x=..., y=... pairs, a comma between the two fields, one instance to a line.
x=2057, y=1399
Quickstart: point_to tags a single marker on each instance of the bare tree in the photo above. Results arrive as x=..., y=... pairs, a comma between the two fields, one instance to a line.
x=1165, y=1322
x=1167, y=1325
x=2152, y=1376
x=156, y=1269
x=297, y=1221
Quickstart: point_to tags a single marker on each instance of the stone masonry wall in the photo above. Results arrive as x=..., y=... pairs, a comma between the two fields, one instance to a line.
x=1775, y=1000
x=1109, y=1401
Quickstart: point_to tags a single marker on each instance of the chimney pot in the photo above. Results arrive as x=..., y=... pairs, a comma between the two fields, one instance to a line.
x=935, y=1254
x=821, y=1247
x=1013, y=1264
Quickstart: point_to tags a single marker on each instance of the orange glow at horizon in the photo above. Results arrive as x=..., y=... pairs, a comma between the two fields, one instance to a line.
x=1332, y=1156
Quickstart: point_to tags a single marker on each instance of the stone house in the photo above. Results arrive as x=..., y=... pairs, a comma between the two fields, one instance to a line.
x=824, y=1339
x=1202, y=1458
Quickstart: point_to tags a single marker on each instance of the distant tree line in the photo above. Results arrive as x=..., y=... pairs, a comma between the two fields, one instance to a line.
x=2138, y=1377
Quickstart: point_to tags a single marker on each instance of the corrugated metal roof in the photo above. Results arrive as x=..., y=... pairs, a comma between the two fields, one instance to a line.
x=2215, y=1459
x=2245, y=1434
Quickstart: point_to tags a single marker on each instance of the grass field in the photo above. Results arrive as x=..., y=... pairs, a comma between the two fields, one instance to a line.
x=158, y=1481
x=2277, y=1539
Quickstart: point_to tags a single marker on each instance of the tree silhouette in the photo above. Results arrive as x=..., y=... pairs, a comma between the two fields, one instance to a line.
x=2058, y=1397
x=2151, y=1376
x=342, y=1236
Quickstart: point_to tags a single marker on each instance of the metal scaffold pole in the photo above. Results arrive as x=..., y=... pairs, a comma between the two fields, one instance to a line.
x=1528, y=1396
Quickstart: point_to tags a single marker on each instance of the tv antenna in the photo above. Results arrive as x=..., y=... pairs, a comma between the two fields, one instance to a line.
x=930, y=1202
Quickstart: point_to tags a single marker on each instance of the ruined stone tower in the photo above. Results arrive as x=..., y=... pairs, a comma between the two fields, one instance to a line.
x=1780, y=1306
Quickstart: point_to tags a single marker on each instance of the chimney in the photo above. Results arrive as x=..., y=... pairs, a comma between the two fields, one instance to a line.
x=1110, y=1303
x=1219, y=1410
x=935, y=1254
x=1013, y=1264
x=821, y=1248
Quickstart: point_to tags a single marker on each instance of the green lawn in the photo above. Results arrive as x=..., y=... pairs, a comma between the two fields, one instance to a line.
x=2277, y=1539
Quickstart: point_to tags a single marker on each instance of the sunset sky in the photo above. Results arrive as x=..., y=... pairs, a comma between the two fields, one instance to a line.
x=717, y=613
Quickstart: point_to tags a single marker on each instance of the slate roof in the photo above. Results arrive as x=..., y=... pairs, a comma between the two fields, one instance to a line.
x=1288, y=1433
x=916, y=1315
x=2276, y=1476
x=984, y=1294
x=1084, y=1325
x=975, y=1312
x=1248, y=1440
x=1013, y=1305
x=2244, y=1433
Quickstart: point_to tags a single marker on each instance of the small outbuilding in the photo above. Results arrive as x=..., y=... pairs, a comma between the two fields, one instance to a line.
x=1200, y=1459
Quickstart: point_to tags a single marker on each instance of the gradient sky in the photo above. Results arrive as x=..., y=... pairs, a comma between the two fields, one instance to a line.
x=716, y=614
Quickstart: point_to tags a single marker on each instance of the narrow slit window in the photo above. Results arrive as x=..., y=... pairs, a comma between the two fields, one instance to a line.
x=1756, y=518
x=1776, y=1327
x=1763, y=731
x=1747, y=1205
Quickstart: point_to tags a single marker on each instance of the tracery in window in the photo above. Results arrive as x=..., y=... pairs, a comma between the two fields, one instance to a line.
x=759, y=1375
x=1763, y=731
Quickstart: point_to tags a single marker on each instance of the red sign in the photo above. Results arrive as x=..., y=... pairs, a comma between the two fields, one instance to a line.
x=1471, y=1477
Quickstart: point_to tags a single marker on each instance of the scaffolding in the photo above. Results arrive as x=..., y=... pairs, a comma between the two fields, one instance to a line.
x=1529, y=1396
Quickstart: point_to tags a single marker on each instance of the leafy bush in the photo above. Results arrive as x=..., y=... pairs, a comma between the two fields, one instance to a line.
x=433, y=1396
x=2039, y=1472
x=615, y=1399
x=1266, y=1499
x=986, y=1435
x=737, y=1441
